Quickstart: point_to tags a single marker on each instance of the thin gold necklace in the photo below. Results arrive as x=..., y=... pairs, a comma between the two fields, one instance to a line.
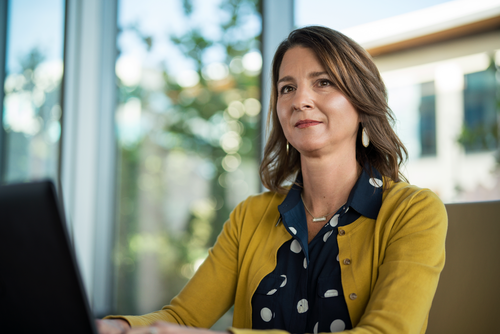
x=317, y=219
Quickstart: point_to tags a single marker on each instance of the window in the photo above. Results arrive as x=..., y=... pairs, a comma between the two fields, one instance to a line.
x=188, y=125
x=480, y=129
x=31, y=108
x=427, y=126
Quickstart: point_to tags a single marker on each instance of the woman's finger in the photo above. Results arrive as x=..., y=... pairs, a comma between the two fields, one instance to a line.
x=147, y=330
x=108, y=327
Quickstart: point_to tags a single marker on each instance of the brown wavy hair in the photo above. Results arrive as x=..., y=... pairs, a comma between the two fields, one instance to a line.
x=353, y=72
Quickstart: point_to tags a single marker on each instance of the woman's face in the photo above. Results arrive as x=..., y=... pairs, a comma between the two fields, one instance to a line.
x=316, y=117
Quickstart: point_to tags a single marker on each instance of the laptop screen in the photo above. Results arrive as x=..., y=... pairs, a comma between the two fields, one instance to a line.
x=41, y=290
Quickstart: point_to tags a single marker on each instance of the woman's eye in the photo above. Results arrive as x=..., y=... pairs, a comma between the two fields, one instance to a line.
x=286, y=89
x=324, y=83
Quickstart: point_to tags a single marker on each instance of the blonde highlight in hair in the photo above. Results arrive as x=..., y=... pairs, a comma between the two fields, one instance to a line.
x=353, y=72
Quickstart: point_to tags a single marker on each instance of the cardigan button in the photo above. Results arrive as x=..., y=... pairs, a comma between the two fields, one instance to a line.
x=341, y=232
x=353, y=296
x=347, y=262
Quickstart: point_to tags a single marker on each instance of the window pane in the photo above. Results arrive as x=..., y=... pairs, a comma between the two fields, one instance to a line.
x=34, y=68
x=480, y=130
x=188, y=130
x=427, y=119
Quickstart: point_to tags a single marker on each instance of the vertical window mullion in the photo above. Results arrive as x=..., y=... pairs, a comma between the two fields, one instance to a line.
x=273, y=32
x=3, y=57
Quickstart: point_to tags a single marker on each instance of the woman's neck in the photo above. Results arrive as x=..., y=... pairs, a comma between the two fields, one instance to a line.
x=328, y=182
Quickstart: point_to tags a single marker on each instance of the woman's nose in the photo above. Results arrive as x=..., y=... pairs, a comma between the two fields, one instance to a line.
x=302, y=99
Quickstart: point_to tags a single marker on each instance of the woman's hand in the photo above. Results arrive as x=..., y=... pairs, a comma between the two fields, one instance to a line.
x=167, y=328
x=112, y=326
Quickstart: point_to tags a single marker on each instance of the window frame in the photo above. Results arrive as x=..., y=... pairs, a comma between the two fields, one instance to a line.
x=4, y=10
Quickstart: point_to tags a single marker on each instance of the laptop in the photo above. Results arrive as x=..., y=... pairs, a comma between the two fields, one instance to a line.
x=41, y=289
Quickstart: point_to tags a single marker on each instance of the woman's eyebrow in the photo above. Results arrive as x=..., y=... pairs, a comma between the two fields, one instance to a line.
x=311, y=75
x=285, y=78
x=317, y=74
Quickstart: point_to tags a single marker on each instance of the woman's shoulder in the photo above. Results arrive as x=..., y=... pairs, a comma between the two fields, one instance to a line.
x=258, y=207
x=257, y=212
x=404, y=196
x=262, y=200
x=404, y=191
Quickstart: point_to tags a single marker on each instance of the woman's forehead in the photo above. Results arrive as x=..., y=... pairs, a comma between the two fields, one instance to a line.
x=300, y=60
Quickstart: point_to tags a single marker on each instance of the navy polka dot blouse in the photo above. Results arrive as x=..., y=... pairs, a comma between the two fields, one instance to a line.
x=304, y=292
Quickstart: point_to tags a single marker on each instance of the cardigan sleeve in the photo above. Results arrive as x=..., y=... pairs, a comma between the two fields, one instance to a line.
x=210, y=292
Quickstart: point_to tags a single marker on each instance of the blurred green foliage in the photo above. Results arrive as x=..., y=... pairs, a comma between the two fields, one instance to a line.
x=31, y=120
x=192, y=125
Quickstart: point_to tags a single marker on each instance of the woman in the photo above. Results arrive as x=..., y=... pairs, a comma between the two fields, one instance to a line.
x=347, y=246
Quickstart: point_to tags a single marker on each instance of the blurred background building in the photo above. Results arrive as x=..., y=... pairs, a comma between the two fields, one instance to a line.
x=441, y=70
x=150, y=116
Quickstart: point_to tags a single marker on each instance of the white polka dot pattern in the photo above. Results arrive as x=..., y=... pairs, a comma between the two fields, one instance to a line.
x=302, y=306
x=327, y=235
x=299, y=261
x=377, y=183
x=266, y=314
x=335, y=220
x=337, y=326
x=295, y=246
x=331, y=293
x=284, y=281
x=272, y=292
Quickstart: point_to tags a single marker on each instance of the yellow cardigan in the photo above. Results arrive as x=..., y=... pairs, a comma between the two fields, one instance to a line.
x=388, y=286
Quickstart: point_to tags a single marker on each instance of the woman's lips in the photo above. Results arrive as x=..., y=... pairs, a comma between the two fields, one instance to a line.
x=306, y=123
